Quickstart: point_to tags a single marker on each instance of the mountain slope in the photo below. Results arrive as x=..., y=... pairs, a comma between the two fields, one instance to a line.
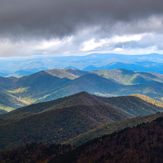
x=2, y=111
x=111, y=83
x=143, y=143
x=149, y=84
x=63, y=119
x=40, y=83
x=91, y=83
x=67, y=73
x=57, y=125
x=8, y=100
x=128, y=77
x=26, y=90
x=130, y=105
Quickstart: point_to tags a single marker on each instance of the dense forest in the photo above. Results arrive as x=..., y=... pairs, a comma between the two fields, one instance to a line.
x=141, y=144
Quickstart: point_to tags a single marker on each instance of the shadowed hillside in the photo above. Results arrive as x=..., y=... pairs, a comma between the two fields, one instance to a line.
x=90, y=83
x=140, y=144
x=63, y=119
x=3, y=111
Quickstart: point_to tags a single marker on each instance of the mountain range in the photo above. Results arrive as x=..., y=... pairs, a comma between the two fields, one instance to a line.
x=60, y=114
x=56, y=83
x=27, y=66
x=133, y=66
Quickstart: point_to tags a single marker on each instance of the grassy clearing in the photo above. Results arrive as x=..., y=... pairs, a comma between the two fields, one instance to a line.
x=149, y=100
x=26, y=100
x=18, y=90
x=6, y=108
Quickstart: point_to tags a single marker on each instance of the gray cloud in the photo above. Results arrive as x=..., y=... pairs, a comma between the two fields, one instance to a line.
x=57, y=18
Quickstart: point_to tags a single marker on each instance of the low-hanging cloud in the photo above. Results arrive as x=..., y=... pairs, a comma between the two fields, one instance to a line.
x=58, y=18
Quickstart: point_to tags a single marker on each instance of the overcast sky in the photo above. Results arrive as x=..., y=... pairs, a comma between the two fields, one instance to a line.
x=79, y=27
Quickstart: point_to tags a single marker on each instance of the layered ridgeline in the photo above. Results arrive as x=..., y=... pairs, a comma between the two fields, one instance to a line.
x=57, y=83
x=27, y=66
x=139, y=143
x=65, y=119
x=133, y=66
